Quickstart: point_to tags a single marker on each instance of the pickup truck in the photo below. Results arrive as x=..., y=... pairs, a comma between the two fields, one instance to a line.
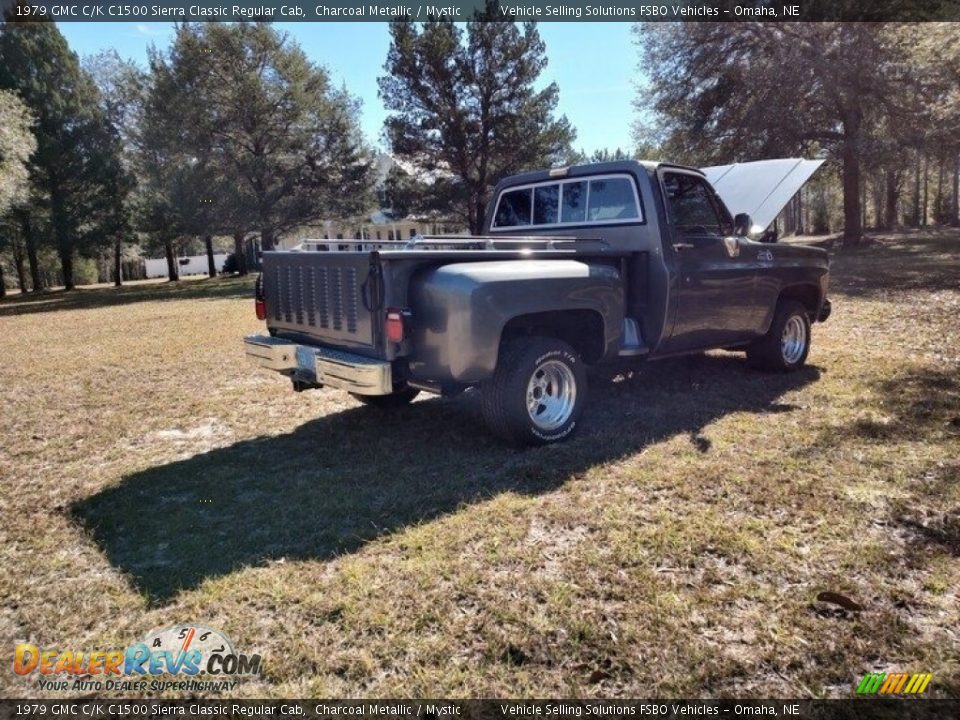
x=576, y=266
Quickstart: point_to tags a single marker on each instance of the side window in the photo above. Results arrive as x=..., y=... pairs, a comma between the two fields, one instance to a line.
x=612, y=199
x=692, y=209
x=514, y=208
x=546, y=203
x=574, y=202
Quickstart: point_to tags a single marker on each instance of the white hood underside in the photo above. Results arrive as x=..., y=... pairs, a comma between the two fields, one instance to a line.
x=762, y=188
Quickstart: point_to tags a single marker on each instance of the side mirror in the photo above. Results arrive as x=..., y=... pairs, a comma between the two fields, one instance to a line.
x=742, y=224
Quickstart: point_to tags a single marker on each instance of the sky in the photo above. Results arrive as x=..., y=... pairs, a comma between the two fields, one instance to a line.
x=594, y=65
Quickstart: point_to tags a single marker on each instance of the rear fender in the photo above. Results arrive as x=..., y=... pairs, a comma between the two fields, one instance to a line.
x=460, y=310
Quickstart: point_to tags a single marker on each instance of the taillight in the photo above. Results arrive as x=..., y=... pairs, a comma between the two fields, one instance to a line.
x=395, y=325
x=258, y=304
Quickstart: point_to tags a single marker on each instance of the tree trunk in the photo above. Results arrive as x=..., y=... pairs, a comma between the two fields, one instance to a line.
x=801, y=225
x=211, y=263
x=172, y=273
x=955, y=205
x=21, y=270
x=36, y=282
x=863, y=204
x=266, y=239
x=892, y=183
x=852, y=228
x=876, y=186
x=61, y=233
x=30, y=241
x=480, y=211
x=475, y=211
x=118, y=261
x=239, y=253
x=66, y=264
x=790, y=217
x=253, y=254
x=939, y=204
x=3, y=285
x=926, y=193
x=916, y=195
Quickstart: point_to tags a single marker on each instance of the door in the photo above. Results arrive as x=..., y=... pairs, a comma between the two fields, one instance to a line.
x=713, y=279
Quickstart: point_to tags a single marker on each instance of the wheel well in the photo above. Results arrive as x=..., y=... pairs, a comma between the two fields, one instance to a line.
x=581, y=329
x=807, y=295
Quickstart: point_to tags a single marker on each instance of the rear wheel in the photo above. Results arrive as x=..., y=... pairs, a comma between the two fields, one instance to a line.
x=537, y=392
x=786, y=345
x=396, y=399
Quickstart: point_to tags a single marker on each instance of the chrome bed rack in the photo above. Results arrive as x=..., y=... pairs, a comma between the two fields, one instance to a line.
x=454, y=242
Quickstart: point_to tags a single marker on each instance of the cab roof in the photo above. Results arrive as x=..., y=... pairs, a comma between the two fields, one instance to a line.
x=572, y=171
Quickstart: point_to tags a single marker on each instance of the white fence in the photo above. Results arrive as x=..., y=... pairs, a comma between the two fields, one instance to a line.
x=191, y=265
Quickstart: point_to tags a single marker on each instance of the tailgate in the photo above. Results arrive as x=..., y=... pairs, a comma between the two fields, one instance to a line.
x=321, y=295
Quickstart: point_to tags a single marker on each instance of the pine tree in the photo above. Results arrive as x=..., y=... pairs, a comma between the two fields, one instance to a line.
x=465, y=109
x=274, y=143
x=71, y=158
x=17, y=144
x=118, y=82
x=725, y=92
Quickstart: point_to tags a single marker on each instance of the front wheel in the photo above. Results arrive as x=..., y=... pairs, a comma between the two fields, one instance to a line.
x=396, y=399
x=537, y=392
x=786, y=345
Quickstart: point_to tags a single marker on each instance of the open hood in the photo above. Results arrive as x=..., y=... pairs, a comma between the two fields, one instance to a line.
x=762, y=188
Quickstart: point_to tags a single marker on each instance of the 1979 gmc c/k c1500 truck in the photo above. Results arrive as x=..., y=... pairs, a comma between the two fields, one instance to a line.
x=577, y=266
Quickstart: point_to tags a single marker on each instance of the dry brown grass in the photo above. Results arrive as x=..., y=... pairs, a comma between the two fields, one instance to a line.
x=675, y=547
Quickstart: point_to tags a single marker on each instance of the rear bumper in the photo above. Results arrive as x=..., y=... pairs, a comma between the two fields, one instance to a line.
x=320, y=365
x=825, y=311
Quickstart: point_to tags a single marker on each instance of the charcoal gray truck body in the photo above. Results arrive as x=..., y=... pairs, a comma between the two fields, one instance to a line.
x=576, y=266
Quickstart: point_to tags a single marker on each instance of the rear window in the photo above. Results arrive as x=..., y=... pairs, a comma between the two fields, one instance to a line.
x=574, y=202
x=514, y=208
x=605, y=199
x=546, y=204
x=612, y=199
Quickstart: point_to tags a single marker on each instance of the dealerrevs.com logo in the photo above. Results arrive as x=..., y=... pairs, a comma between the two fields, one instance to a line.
x=203, y=658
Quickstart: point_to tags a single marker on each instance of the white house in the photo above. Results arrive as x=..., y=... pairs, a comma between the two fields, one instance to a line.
x=191, y=265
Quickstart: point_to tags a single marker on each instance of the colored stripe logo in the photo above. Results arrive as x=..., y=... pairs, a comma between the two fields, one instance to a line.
x=894, y=683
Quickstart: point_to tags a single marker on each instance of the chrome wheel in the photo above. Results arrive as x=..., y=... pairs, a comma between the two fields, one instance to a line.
x=793, y=342
x=551, y=395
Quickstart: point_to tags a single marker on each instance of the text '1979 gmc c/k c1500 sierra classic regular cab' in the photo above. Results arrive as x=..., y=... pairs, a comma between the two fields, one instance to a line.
x=576, y=266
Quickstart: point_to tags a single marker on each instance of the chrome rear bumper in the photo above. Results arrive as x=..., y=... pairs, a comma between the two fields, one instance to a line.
x=321, y=366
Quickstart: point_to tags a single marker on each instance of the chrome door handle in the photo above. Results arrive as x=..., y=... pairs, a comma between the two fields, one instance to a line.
x=681, y=246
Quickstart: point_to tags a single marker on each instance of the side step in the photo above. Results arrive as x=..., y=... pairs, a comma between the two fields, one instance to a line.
x=632, y=342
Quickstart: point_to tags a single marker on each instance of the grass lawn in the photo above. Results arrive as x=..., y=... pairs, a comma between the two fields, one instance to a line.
x=676, y=547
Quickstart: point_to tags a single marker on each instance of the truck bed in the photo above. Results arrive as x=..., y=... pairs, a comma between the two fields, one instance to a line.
x=333, y=292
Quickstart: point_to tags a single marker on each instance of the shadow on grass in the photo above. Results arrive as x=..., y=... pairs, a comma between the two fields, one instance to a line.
x=919, y=405
x=343, y=479
x=87, y=298
x=907, y=261
x=925, y=407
